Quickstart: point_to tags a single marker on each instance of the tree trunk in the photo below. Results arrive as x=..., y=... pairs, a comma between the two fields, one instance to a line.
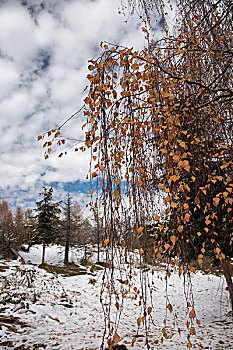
x=68, y=226
x=98, y=242
x=43, y=254
x=227, y=273
x=66, y=258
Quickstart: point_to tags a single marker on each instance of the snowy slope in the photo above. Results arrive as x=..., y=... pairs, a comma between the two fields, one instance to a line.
x=61, y=312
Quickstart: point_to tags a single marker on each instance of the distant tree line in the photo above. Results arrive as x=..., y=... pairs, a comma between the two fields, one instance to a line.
x=60, y=222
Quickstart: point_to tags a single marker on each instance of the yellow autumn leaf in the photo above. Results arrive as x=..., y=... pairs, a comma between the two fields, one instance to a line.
x=91, y=192
x=176, y=158
x=180, y=228
x=216, y=201
x=140, y=251
x=182, y=143
x=161, y=186
x=139, y=230
x=106, y=241
x=133, y=341
x=157, y=217
x=173, y=239
x=174, y=178
x=166, y=246
x=207, y=221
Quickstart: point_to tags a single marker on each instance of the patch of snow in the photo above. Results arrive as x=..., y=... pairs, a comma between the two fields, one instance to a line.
x=65, y=312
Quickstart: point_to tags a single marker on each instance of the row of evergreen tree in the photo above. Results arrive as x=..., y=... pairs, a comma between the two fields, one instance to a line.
x=50, y=222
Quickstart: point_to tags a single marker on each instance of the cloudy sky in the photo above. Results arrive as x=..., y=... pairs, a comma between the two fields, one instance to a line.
x=44, y=52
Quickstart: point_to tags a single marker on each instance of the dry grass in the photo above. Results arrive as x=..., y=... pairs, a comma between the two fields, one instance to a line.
x=69, y=270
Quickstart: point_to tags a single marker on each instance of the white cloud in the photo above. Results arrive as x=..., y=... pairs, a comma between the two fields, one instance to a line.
x=43, y=66
x=9, y=78
x=17, y=33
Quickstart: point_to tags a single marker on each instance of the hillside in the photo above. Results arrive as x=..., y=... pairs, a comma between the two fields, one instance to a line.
x=60, y=309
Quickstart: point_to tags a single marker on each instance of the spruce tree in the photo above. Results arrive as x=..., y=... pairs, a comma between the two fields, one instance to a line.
x=47, y=220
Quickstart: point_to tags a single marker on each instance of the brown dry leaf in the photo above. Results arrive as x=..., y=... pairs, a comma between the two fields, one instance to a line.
x=192, y=314
x=116, y=338
x=57, y=134
x=116, y=194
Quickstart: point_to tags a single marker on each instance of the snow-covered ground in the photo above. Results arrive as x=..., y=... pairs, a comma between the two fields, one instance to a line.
x=41, y=310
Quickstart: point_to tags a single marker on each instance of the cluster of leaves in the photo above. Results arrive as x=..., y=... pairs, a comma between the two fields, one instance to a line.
x=160, y=124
